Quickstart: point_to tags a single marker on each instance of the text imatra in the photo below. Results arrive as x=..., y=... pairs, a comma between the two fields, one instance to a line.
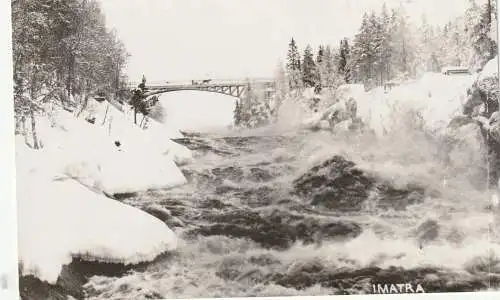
x=397, y=288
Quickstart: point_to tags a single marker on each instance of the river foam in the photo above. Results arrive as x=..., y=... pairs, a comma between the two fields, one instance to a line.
x=246, y=232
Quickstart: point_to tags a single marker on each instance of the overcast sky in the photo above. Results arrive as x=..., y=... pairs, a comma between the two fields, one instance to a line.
x=195, y=39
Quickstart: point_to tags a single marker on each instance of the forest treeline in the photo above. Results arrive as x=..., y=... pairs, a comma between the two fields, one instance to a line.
x=388, y=46
x=62, y=54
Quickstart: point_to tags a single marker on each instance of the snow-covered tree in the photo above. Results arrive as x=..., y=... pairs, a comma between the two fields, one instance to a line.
x=377, y=41
x=403, y=46
x=141, y=103
x=344, y=68
x=309, y=69
x=237, y=113
x=254, y=109
x=479, y=21
x=293, y=65
x=327, y=68
x=281, y=88
x=385, y=50
x=427, y=49
x=321, y=54
x=321, y=66
x=61, y=51
x=364, y=51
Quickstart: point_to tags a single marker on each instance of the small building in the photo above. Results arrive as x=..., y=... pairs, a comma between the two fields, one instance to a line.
x=455, y=71
x=99, y=98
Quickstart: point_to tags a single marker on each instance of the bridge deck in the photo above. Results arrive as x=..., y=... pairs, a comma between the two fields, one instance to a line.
x=213, y=83
x=193, y=86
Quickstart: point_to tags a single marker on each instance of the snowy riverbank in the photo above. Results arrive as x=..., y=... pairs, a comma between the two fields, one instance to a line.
x=63, y=212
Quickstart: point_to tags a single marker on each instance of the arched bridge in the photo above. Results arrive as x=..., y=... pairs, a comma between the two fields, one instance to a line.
x=235, y=88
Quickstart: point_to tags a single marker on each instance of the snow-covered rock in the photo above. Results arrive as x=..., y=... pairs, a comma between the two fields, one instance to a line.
x=344, y=108
x=340, y=113
x=427, y=104
x=312, y=122
x=179, y=153
x=59, y=219
x=494, y=126
x=346, y=91
x=432, y=101
x=342, y=126
x=490, y=69
x=466, y=148
x=483, y=99
x=324, y=125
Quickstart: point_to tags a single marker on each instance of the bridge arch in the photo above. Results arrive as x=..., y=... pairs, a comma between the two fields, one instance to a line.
x=235, y=90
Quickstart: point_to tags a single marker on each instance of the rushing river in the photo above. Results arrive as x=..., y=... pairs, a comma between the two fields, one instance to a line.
x=316, y=214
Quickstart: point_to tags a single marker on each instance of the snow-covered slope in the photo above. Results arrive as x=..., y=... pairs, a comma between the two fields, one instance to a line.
x=62, y=212
x=155, y=139
x=115, y=158
x=58, y=218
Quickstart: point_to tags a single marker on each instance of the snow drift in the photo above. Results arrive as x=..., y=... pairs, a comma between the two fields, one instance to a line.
x=156, y=138
x=60, y=219
x=62, y=211
x=110, y=164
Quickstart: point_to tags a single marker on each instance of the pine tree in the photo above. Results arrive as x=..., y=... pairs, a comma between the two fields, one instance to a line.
x=281, y=87
x=343, y=66
x=403, y=54
x=385, y=45
x=426, y=56
x=457, y=44
x=309, y=69
x=293, y=65
x=363, y=52
x=327, y=71
x=376, y=43
x=254, y=109
x=484, y=46
x=321, y=55
x=237, y=114
x=321, y=63
x=138, y=101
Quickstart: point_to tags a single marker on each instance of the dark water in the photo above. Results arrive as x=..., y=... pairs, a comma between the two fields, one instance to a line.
x=314, y=214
